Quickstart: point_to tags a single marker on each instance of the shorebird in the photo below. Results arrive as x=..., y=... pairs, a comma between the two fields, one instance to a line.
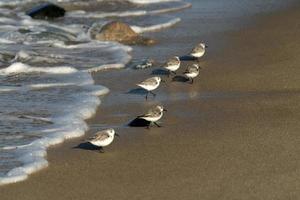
x=145, y=64
x=103, y=138
x=199, y=50
x=172, y=64
x=192, y=71
x=150, y=84
x=153, y=115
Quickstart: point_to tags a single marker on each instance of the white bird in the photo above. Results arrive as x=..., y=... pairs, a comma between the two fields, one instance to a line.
x=199, y=50
x=103, y=138
x=153, y=115
x=192, y=71
x=172, y=64
x=150, y=84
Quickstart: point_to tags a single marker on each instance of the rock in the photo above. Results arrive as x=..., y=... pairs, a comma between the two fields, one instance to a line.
x=46, y=11
x=119, y=32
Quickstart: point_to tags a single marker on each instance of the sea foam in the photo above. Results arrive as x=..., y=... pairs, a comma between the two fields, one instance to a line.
x=67, y=121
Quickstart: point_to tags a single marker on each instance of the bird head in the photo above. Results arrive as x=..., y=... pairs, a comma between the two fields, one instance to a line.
x=158, y=79
x=197, y=66
x=160, y=108
x=112, y=132
x=203, y=45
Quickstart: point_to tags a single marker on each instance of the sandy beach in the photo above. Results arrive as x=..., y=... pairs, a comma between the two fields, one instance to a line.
x=233, y=134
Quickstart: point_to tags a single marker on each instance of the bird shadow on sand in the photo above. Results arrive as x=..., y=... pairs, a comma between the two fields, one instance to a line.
x=181, y=79
x=138, y=122
x=187, y=58
x=138, y=91
x=161, y=72
x=87, y=146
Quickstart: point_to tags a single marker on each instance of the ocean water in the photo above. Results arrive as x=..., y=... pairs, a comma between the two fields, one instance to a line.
x=46, y=89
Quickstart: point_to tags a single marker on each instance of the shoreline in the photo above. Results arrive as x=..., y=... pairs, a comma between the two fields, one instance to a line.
x=225, y=107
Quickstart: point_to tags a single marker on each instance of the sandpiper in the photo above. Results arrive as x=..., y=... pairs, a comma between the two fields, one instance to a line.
x=103, y=138
x=145, y=64
x=172, y=64
x=192, y=71
x=153, y=115
x=150, y=84
x=199, y=50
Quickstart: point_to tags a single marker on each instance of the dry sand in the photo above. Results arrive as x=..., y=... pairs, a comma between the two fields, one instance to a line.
x=233, y=134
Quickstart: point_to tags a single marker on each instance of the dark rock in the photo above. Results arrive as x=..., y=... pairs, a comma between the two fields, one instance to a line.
x=119, y=32
x=46, y=11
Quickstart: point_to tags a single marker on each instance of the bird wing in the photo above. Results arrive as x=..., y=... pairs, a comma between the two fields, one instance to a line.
x=145, y=115
x=150, y=113
x=197, y=49
x=192, y=69
x=172, y=61
x=149, y=81
x=101, y=135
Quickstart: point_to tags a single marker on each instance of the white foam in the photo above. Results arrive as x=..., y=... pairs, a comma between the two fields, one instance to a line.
x=7, y=20
x=156, y=27
x=43, y=119
x=8, y=88
x=77, y=14
x=15, y=176
x=70, y=125
x=151, y=1
x=39, y=86
x=106, y=67
x=18, y=67
x=50, y=85
x=23, y=55
x=6, y=41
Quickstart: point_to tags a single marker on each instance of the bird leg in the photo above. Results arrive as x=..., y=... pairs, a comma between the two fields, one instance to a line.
x=101, y=150
x=191, y=80
x=173, y=72
x=157, y=124
x=148, y=127
x=147, y=95
x=153, y=93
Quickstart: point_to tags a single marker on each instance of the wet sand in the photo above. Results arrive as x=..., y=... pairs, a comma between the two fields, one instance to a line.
x=233, y=134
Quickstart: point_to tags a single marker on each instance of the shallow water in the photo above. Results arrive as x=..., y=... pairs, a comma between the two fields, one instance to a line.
x=46, y=89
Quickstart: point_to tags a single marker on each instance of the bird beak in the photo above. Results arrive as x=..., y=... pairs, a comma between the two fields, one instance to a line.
x=165, y=110
x=116, y=134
